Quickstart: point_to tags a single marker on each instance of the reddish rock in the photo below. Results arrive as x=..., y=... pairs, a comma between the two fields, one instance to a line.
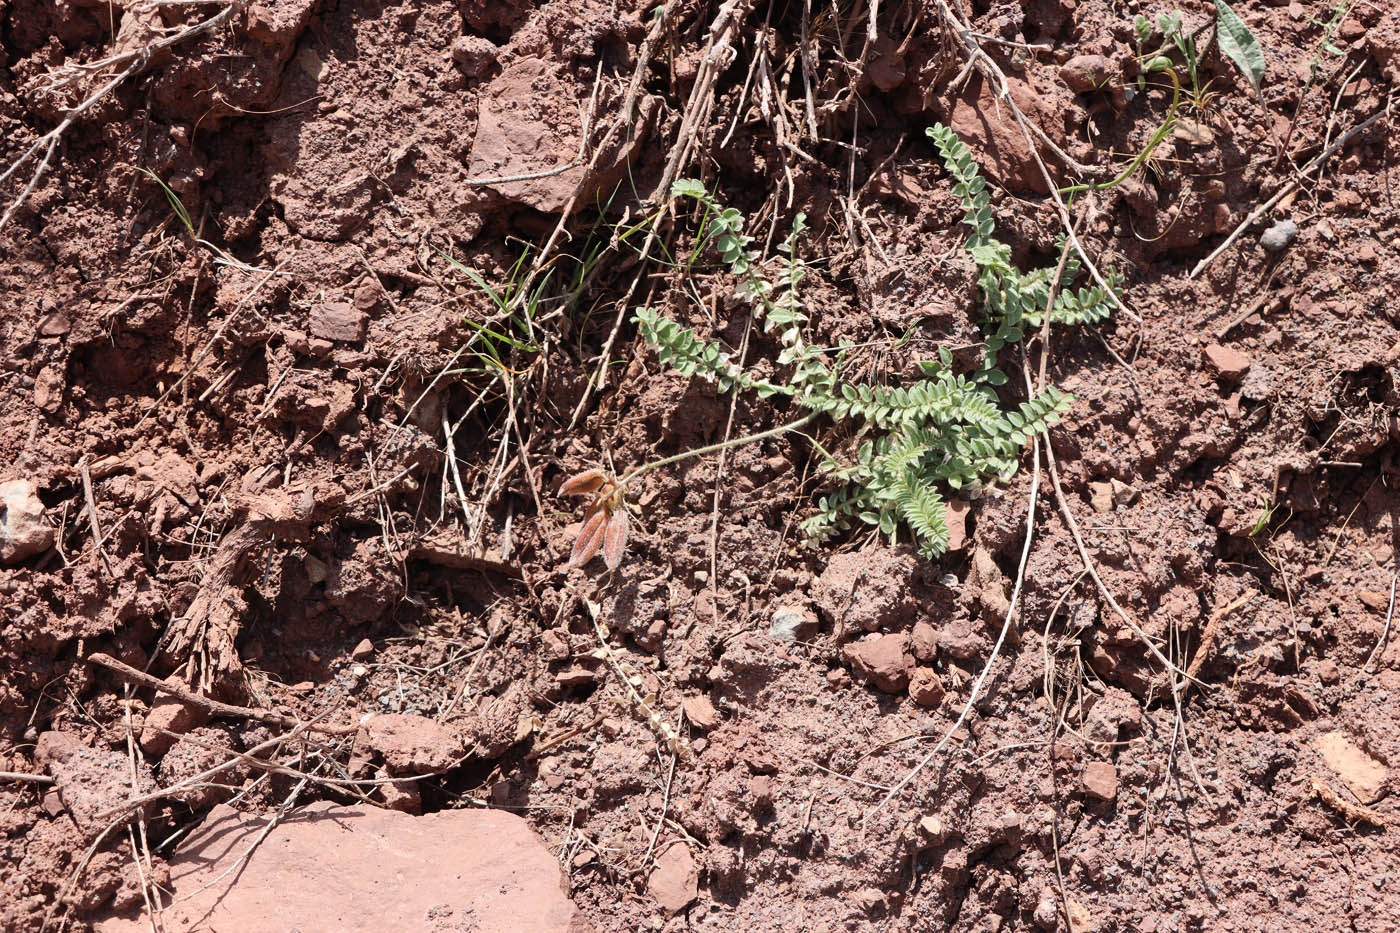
x=675, y=881
x=363, y=651
x=402, y=796
x=411, y=744
x=988, y=127
x=956, y=517
x=338, y=320
x=89, y=781
x=701, y=712
x=48, y=388
x=1365, y=775
x=884, y=659
x=1100, y=779
x=23, y=531
x=169, y=715
x=1087, y=72
x=925, y=687
x=1227, y=363
x=365, y=870
x=924, y=641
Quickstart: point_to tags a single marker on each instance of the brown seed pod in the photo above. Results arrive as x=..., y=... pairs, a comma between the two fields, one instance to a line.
x=615, y=539
x=589, y=539
x=582, y=484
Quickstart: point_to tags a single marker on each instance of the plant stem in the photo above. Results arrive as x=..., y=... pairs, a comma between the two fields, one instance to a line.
x=1157, y=137
x=715, y=448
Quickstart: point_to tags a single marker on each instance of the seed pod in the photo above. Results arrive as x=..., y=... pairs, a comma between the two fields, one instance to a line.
x=589, y=539
x=582, y=484
x=615, y=539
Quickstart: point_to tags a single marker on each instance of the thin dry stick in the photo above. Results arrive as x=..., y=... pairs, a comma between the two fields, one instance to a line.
x=92, y=514
x=1287, y=189
x=1213, y=627
x=214, y=706
x=1352, y=811
x=24, y=777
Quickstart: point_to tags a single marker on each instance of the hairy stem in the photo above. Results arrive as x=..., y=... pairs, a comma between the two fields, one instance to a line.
x=716, y=448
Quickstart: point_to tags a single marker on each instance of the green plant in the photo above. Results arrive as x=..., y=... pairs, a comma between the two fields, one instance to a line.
x=1329, y=33
x=946, y=430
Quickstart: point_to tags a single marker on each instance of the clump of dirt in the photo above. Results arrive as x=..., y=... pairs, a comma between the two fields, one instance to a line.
x=284, y=431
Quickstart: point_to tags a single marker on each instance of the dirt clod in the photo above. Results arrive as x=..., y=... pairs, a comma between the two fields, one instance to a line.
x=23, y=529
x=674, y=882
x=884, y=659
x=1100, y=780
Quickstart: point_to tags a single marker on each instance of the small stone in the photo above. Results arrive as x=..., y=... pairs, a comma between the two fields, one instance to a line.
x=1047, y=910
x=474, y=54
x=792, y=623
x=675, y=881
x=1101, y=496
x=1123, y=494
x=956, y=517
x=1279, y=237
x=871, y=901
x=1193, y=133
x=48, y=389
x=932, y=832
x=338, y=320
x=701, y=712
x=1085, y=73
x=1374, y=600
x=575, y=677
x=402, y=796
x=1227, y=363
x=55, y=324
x=170, y=715
x=1100, y=780
x=316, y=569
x=363, y=651
x=1328, y=672
x=923, y=640
x=925, y=688
x=884, y=659
x=23, y=531
x=1324, y=230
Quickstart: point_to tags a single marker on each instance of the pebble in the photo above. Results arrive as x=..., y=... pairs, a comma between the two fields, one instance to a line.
x=1279, y=237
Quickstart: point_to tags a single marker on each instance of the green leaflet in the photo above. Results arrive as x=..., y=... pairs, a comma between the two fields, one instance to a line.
x=1237, y=42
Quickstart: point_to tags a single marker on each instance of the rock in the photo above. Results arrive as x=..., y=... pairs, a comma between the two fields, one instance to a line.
x=48, y=389
x=701, y=712
x=987, y=126
x=792, y=623
x=23, y=531
x=338, y=320
x=987, y=576
x=1374, y=599
x=528, y=123
x=1047, y=910
x=411, y=744
x=316, y=572
x=675, y=881
x=923, y=641
x=1279, y=237
x=169, y=714
x=932, y=831
x=925, y=688
x=55, y=324
x=1115, y=710
x=575, y=676
x=1227, y=363
x=362, y=869
x=474, y=54
x=89, y=781
x=1123, y=494
x=363, y=651
x=884, y=659
x=1101, y=496
x=402, y=796
x=1085, y=73
x=1100, y=780
x=1363, y=774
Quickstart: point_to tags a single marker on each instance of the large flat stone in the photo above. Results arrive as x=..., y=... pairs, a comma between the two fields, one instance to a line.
x=334, y=869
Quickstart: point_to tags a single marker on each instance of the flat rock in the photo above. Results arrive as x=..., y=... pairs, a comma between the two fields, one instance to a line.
x=1227, y=363
x=884, y=659
x=1100, y=780
x=365, y=870
x=1086, y=72
x=529, y=124
x=701, y=712
x=1363, y=774
x=792, y=623
x=411, y=744
x=989, y=129
x=675, y=881
x=338, y=320
x=23, y=531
